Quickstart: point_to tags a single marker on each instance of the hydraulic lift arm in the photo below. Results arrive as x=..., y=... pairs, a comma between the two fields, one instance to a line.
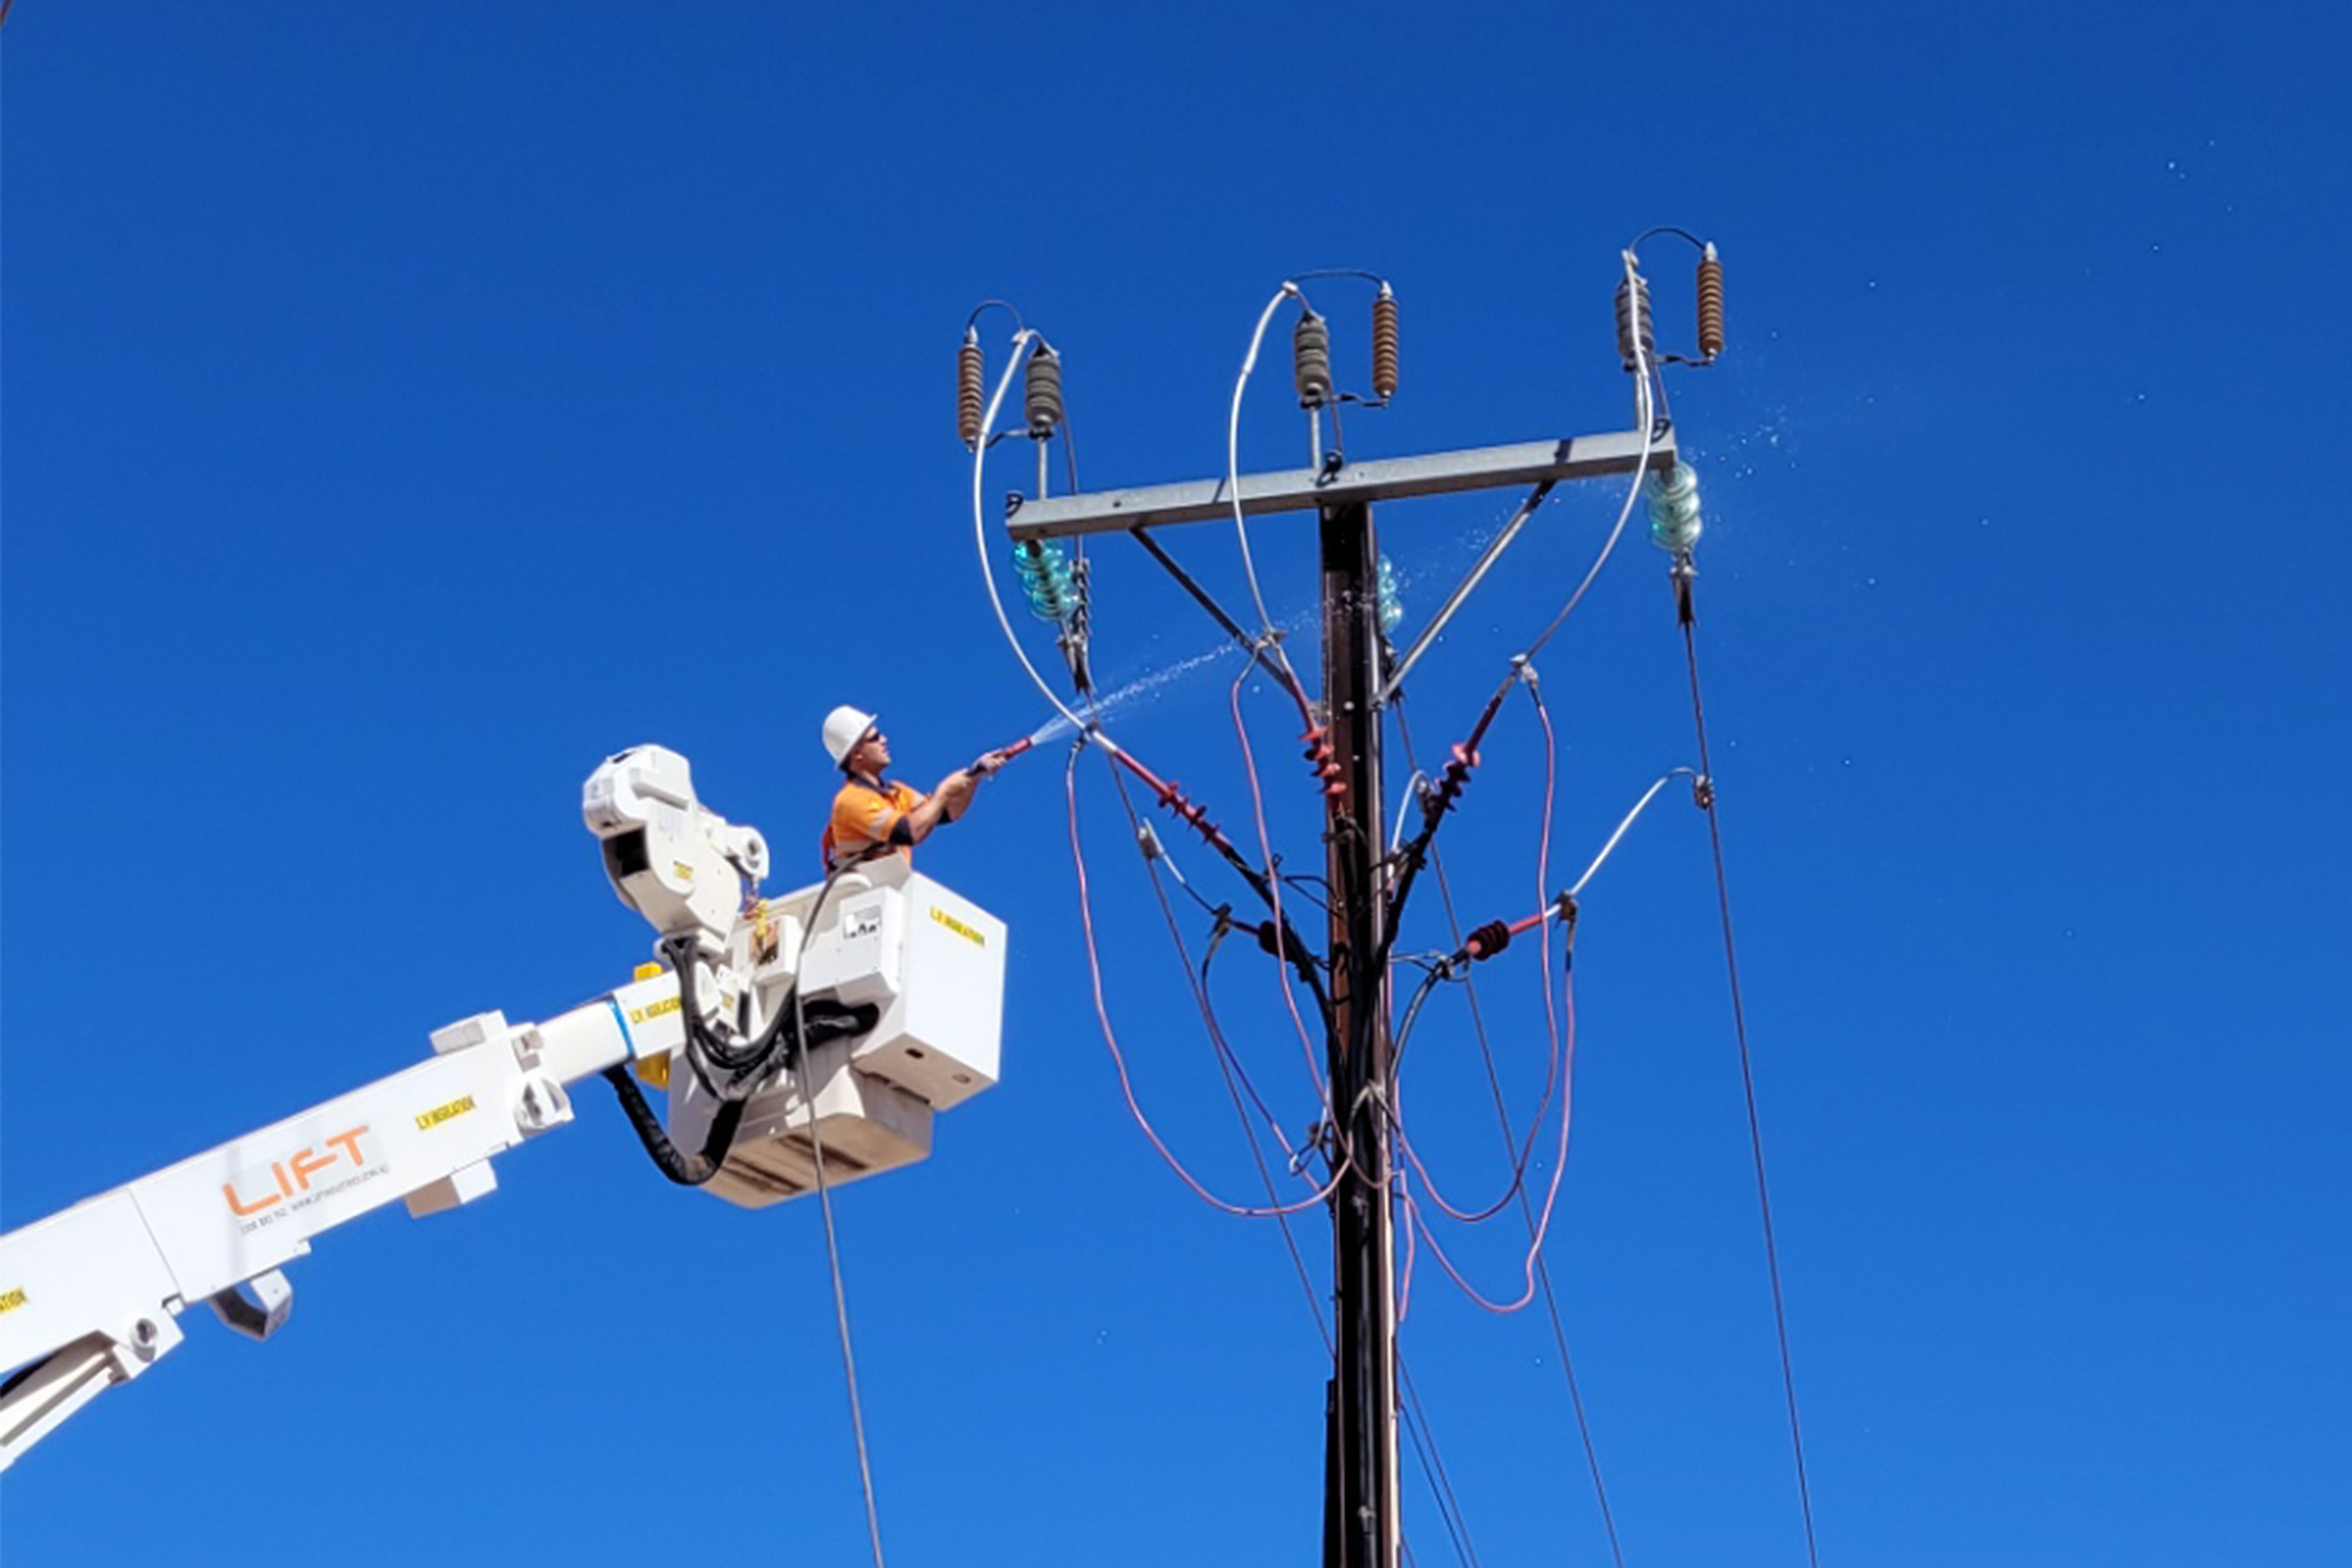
x=90, y=1296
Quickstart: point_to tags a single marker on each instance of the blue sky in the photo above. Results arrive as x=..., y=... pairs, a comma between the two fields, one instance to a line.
x=406, y=406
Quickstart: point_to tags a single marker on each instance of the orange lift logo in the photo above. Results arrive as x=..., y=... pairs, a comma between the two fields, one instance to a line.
x=294, y=1174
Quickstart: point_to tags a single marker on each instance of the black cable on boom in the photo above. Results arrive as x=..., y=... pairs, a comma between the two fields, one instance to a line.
x=687, y=1170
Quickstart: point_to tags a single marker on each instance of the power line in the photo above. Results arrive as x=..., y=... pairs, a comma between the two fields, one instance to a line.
x=1118, y=1058
x=1748, y=1081
x=1424, y=1437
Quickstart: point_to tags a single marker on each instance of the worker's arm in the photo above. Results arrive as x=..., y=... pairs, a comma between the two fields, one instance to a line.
x=944, y=804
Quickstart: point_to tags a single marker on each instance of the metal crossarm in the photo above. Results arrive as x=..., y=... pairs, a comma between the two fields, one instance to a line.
x=1349, y=484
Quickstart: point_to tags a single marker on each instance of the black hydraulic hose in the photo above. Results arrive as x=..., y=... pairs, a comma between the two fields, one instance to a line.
x=681, y=952
x=795, y=1030
x=822, y=1024
x=685, y=1170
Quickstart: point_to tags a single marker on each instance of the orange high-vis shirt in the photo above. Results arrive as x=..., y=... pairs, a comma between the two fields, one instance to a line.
x=864, y=817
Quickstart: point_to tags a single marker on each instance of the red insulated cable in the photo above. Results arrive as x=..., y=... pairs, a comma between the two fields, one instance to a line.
x=1274, y=885
x=1119, y=1058
x=1551, y=1194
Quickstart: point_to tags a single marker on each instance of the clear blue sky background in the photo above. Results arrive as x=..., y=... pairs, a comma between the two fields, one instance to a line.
x=406, y=405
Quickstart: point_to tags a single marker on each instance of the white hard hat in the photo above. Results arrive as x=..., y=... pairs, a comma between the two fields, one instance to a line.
x=844, y=728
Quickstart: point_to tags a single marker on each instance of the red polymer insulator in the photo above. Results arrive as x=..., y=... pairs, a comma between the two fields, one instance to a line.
x=1489, y=940
x=1384, y=344
x=968, y=388
x=1310, y=358
x=1044, y=391
x=1710, y=305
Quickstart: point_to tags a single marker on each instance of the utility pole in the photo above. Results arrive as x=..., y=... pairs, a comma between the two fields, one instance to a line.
x=1361, y=1513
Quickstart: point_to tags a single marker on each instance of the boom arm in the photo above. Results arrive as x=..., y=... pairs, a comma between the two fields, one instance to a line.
x=88, y=1298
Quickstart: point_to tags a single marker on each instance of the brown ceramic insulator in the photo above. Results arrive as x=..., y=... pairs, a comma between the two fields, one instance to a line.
x=1633, y=321
x=1044, y=390
x=1710, y=305
x=1310, y=360
x=968, y=390
x=1384, y=344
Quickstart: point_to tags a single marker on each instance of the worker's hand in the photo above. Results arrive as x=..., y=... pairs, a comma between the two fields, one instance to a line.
x=987, y=765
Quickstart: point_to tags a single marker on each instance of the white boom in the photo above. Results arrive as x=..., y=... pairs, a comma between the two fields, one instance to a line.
x=90, y=1296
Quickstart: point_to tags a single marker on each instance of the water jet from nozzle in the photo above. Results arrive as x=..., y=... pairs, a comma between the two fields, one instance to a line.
x=1142, y=686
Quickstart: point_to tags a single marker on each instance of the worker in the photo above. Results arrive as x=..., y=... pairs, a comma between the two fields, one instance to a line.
x=876, y=815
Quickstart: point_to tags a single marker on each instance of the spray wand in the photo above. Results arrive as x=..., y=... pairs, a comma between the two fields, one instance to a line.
x=982, y=767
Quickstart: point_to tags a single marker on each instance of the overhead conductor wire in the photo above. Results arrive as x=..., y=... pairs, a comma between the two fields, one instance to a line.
x=1228, y=1062
x=1090, y=728
x=1236, y=1078
x=1118, y=1058
x=1273, y=880
x=1086, y=729
x=1640, y=807
x=1646, y=412
x=1554, y=1076
x=1747, y=1084
x=1288, y=291
x=1563, y=1050
x=1269, y=638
